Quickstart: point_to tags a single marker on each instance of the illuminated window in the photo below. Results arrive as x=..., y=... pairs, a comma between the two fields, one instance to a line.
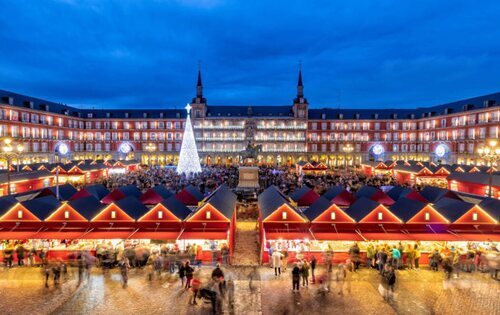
x=380, y=216
x=66, y=214
x=208, y=215
x=113, y=214
x=332, y=216
x=20, y=214
x=283, y=215
x=160, y=214
x=427, y=216
x=474, y=216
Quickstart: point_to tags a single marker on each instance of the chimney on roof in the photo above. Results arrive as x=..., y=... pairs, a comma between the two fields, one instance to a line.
x=9, y=100
x=489, y=103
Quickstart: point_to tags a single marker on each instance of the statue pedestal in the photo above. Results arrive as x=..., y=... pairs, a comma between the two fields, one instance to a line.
x=248, y=177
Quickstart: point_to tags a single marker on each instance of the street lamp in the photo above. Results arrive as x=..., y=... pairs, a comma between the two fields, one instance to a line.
x=348, y=148
x=490, y=152
x=9, y=152
x=150, y=147
x=62, y=149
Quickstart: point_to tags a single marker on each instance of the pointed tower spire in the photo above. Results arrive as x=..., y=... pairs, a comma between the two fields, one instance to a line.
x=199, y=85
x=300, y=86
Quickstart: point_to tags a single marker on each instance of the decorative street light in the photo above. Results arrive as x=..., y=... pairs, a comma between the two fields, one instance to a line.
x=10, y=150
x=348, y=148
x=150, y=147
x=490, y=152
x=62, y=149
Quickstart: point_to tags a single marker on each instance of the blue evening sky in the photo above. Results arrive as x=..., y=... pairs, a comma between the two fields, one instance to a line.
x=355, y=54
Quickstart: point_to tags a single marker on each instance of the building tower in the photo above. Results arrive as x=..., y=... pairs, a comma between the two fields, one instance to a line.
x=199, y=103
x=300, y=104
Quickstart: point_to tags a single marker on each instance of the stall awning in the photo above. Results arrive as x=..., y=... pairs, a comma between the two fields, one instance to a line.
x=386, y=236
x=288, y=235
x=201, y=235
x=15, y=235
x=433, y=237
x=58, y=235
x=162, y=235
x=332, y=236
x=479, y=237
x=106, y=235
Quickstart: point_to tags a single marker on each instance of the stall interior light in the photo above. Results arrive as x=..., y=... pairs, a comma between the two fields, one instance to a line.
x=332, y=216
x=66, y=214
x=427, y=216
x=113, y=214
x=20, y=214
x=380, y=216
x=283, y=215
x=474, y=216
x=160, y=214
x=208, y=215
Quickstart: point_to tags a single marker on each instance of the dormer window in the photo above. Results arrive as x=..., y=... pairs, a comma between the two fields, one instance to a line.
x=283, y=215
x=144, y=115
x=208, y=215
x=332, y=216
x=113, y=214
x=160, y=214
x=380, y=216
x=90, y=115
x=127, y=115
x=108, y=115
x=161, y=115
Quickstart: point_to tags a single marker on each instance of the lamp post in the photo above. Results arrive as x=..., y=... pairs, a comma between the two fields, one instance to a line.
x=10, y=151
x=61, y=150
x=348, y=148
x=150, y=147
x=490, y=152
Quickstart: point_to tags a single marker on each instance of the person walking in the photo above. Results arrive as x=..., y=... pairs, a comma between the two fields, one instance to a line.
x=434, y=258
x=284, y=263
x=313, y=267
x=7, y=256
x=295, y=278
x=31, y=257
x=189, y=274
x=381, y=259
x=124, y=269
x=410, y=256
x=225, y=254
x=182, y=276
x=416, y=252
x=389, y=276
x=20, y=250
x=370, y=256
x=354, y=255
x=341, y=275
x=276, y=262
x=195, y=287
x=396, y=257
x=305, y=274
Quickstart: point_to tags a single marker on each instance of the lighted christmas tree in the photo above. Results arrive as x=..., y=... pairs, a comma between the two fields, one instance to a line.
x=189, y=161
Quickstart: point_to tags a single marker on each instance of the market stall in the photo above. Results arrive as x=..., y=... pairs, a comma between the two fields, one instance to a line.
x=212, y=225
x=190, y=196
x=155, y=195
x=304, y=196
x=339, y=196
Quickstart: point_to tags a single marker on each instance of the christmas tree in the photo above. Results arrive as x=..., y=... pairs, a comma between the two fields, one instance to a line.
x=189, y=161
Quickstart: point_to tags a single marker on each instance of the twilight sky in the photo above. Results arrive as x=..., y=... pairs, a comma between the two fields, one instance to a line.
x=355, y=54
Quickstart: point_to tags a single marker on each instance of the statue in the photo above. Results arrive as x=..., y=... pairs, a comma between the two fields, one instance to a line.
x=251, y=151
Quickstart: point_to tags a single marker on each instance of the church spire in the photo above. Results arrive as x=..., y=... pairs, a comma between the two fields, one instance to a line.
x=199, y=85
x=300, y=86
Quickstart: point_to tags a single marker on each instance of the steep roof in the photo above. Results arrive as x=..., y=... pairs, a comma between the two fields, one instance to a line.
x=162, y=191
x=131, y=190
x=434, y=194
x=66, y=191
x=132, y=206
x=176, y=207
x=452, y=209
x=270, y=200
x=475, y=178
x=397, y=192
x=6, y=203
x=492, y=207
x=224, y=200
x=113, y=196
x=317, y=208
x=97, y=190
x=366, y=191
x=304, y=196
x=88, y=206
x=332, y=192
x=361, y=208
x=42, y=207
x=405, y=208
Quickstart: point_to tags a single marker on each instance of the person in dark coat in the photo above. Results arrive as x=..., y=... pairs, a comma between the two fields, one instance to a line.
x=182, y=273
x=295, y=277
x=20, y=250
x=189, y=274
x=313, y=267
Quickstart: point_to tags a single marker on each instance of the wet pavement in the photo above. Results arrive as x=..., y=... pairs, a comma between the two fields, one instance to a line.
x=257, y=291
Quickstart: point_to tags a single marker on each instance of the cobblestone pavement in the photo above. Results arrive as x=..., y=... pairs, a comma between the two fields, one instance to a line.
x=22, y=291
x=257, y=291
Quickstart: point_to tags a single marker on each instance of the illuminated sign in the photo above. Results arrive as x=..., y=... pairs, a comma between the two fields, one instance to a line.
x=62, y=149
x=441, y=150
x=125, y=148
x=378, y=149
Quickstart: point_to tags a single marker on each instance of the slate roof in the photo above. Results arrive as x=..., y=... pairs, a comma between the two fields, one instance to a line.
x=132, y=206
x=332, y=192
x=492, y=207
x=42, y=207
x=317, y=208
x=88, y=207
x=405, y=208
x=299, y=193
x=162, y=191
x=366, y=191
x=475, y=178
x=131, y=190
x=97, y=190
x=176, y=207
x=256, y=111
x=434, y=194
x=6, y=203
x=452, y=209
x=397, y=192
x=270, y=200
x=361, y=208
x=223, y=200
x=113, y=196
x=66, y=191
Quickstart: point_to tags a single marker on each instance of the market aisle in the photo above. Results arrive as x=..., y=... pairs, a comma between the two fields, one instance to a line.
x=246, y=251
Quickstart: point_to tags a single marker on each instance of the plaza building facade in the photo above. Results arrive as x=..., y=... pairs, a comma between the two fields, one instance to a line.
x=448, y=133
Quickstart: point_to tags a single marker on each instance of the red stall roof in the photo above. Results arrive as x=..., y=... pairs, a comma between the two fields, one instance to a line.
x=151, y=197
x=381, y=197
x=113, y=196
